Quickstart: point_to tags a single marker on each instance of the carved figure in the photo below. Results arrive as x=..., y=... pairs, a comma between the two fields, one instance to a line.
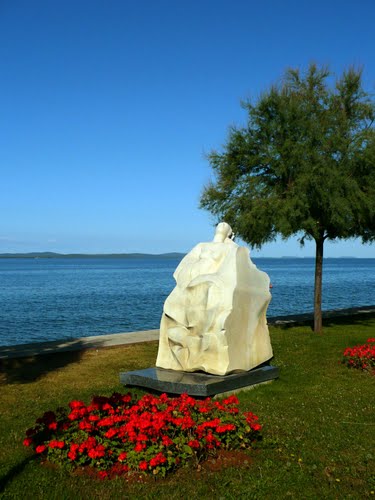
x=215, y=318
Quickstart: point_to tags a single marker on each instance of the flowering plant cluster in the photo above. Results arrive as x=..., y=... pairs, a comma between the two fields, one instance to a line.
x=361, y=356
x=118, y=434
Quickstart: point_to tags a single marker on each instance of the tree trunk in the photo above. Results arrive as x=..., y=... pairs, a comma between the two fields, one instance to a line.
x=318, y=285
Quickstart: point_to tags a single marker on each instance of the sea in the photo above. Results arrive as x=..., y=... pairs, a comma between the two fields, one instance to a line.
x=44, y=299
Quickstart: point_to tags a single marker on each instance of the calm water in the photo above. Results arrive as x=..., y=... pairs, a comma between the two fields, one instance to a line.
x=52, y=299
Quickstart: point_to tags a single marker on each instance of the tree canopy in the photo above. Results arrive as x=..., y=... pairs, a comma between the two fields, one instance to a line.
x=303, y=165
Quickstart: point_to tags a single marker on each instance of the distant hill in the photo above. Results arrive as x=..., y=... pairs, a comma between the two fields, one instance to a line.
x=53, y=255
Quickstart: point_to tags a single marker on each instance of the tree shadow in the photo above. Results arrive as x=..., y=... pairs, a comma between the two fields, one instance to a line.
x=364, y=319
x=17, y=366
x=355, y=316
x=14, y=471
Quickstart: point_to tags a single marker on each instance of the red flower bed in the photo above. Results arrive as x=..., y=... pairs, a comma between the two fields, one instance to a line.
x=361, y=356
x=119, y=434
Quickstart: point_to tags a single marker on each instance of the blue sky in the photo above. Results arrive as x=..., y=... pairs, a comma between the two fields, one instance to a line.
x=108, y=109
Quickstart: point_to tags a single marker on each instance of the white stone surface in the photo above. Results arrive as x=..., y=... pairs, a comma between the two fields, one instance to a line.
x=215, y=318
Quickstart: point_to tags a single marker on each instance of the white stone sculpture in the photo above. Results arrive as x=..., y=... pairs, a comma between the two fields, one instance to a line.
x=215, y=318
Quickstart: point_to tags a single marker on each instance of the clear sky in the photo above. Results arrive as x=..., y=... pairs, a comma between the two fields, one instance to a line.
x=108, y=109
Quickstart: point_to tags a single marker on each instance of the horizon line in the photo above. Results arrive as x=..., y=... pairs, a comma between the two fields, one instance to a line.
x=49, y=254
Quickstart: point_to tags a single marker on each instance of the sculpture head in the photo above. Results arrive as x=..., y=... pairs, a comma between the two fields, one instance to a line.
x=223, y=231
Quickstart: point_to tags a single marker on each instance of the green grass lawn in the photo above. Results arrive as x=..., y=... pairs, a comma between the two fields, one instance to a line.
x=318, y=417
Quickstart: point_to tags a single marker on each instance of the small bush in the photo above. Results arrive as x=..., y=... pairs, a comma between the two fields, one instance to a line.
x=361, y=356
x=119, y=434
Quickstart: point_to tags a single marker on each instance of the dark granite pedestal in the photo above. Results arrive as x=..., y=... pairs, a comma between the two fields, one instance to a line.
x=197, y=383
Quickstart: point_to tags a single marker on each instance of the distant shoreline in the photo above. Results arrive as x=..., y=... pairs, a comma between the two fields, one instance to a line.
x=170, y=255
x=53, y=255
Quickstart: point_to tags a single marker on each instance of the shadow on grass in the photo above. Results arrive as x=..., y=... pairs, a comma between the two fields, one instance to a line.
x=30, y=368
x=357, y=319
x=14, y=471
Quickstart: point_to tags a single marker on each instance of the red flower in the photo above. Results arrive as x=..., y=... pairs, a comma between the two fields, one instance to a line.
x=122, y=456
x=142, y=437
x=232, y=400
x=225, y=428
x=106, y=422
x=87, y=445
x=85, y=426
x=143, y=465
x=76, y=404
x=56, y=444
x=40, y=448
x=187, y=423
x=163, y=398
x=204, y=409
x=72, y=455
x=97, y=452
x=212, y=441
x=126, y=398
x=27, y=442
x=111, y=433
x=139, y=447
x=166, y=440
x=157, y=460
x=102, y=474
x=210, y=437
x=193, y=443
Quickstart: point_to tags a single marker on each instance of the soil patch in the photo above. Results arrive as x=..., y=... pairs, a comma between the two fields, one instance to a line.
x=226, y=458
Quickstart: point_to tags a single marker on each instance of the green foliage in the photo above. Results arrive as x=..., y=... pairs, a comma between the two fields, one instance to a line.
x=303, y=165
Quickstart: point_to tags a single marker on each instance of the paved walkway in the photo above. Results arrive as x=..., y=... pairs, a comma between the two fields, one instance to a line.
x=116, y=339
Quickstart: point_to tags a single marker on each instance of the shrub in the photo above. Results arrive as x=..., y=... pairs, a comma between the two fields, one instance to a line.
x=361, y=356
x=119, y=434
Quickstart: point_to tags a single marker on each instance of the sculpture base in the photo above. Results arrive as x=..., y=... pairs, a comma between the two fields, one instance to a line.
x=197, y=383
